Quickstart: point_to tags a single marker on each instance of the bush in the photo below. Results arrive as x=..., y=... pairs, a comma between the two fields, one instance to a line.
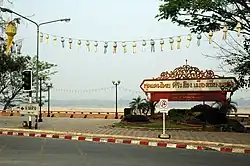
x=194, y=121
x=236, y=125
x=136, y=118
x=212, y=116
x=127, y=111
x=200, y=108
x=178, y=114
x=156, y=116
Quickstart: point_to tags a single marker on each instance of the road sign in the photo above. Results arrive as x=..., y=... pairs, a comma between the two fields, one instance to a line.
x=29, y=109
x=162, y=106
x=163, y=103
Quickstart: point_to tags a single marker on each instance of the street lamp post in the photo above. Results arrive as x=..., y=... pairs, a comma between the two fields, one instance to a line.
x=49, y=86
x=116, y=83
x=40, y=100
x=37, y=45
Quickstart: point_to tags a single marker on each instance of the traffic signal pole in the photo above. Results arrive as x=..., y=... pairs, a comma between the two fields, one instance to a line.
x=40, y=101
x=27, y=87
x=30, y=101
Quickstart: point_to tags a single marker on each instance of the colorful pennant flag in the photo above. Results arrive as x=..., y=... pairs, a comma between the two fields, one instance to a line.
x=151, y=44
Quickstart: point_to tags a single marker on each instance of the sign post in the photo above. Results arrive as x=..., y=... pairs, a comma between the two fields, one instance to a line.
x=163, y=105
x=30, y=110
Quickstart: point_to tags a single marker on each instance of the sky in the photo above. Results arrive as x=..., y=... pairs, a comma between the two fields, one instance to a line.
x=108, y=20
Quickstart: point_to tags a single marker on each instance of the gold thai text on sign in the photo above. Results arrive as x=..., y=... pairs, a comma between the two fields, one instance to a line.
x=187, y=85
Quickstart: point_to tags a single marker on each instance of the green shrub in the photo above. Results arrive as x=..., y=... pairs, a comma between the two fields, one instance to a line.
x=135, y=118
x=236, y=125
x=156, y=116
x=178, y=114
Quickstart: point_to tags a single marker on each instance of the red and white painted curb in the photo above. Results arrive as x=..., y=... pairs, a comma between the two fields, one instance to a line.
x=123, y=141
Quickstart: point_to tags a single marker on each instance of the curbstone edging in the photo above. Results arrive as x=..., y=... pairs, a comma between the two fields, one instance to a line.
x=122, y=141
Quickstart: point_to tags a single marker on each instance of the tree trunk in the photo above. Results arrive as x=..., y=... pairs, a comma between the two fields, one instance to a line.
x=6, y=105
x=152, y=111
x=8, y=102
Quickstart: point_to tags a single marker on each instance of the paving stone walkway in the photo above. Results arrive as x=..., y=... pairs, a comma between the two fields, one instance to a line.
x=103, y=126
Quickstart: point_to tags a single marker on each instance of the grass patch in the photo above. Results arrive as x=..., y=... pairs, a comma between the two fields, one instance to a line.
x=154, y=125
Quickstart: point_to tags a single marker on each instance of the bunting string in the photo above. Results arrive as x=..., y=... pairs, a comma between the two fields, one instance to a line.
x=97, y=90
x=82, y=91
x=175, y=42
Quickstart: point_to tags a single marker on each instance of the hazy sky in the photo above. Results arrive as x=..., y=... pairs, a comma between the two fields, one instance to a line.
x=107, y=20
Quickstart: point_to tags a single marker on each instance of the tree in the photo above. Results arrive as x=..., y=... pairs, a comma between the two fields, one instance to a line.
x=226, y=107
x=142, y=106
x=11, y=78
x=205, y=15
x=46, y=70
x=11, y=92
x=151, y=106
x=137, y=104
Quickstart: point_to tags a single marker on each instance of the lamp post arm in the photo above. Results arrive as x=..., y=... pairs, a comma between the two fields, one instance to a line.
x=10, y=11
x=49, y=22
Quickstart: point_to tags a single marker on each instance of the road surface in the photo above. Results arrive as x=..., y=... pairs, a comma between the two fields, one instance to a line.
x=24, y=151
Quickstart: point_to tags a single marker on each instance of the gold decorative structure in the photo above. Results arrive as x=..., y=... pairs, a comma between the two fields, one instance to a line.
x=162, y=44
x=134, y=47
x=187, y=72
x=70, y=43
x=238, y=27
x=96, y=45
x=199, y=39
x=105, y=47
x=47, y=39
x=54, y=40
x=178, y=42
x=225, y=30
x=144, y=44
x=124, y=45
x=114, y=47
x=88, y=45
x=189, y=39
x=79, y=43
x=152, y=43
x=41, y=37
x=210, y=37
x=63, y=42
x=10, y=31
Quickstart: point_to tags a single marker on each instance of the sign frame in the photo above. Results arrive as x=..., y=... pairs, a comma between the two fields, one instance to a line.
x=162, y=106
x=183, y=85
x=29, y=109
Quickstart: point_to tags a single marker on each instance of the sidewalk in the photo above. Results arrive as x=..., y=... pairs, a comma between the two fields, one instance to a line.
x=103, y=126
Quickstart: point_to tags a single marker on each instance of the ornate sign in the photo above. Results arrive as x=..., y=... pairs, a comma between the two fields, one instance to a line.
x=188, y=83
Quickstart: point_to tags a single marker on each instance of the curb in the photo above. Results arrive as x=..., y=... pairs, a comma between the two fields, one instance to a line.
x=177, y=141
x=147, y=128
x=59, y=135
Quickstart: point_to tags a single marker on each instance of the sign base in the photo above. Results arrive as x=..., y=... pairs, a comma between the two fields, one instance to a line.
x=164, y=136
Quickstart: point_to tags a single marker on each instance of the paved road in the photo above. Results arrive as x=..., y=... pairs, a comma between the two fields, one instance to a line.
x=24, y=151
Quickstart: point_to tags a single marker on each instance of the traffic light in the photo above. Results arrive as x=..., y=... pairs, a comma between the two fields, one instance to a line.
x=27, y=80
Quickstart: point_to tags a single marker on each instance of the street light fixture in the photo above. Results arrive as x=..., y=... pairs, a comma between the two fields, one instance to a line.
x=37, y=44
x=116, y=83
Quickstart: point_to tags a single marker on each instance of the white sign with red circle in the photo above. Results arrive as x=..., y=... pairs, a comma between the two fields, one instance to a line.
x=162, y=106
x=163, y=103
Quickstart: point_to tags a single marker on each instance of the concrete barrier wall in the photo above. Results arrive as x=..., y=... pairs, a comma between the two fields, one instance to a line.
x=101, y=115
